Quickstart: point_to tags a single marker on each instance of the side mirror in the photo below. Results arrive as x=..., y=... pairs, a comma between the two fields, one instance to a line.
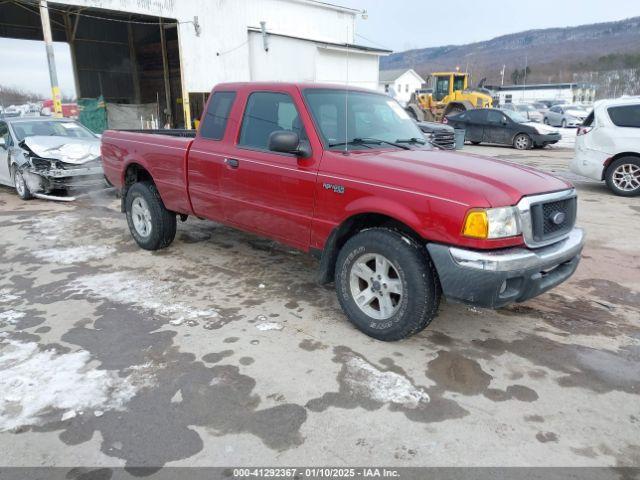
x=286, y=141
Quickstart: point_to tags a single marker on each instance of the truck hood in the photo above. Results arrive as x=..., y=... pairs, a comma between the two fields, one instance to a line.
x=65, y=149
x=471, y=179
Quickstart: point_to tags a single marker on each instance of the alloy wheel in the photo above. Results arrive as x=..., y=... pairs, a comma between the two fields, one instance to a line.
x=376, y=286
x=19, y=183
x=141, y=216
x=626, y=177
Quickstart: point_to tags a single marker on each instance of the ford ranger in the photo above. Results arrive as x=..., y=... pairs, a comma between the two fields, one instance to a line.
x=347, y=176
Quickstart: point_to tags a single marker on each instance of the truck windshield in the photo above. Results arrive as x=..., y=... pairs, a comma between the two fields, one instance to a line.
x=353, y=120
x=50, y=128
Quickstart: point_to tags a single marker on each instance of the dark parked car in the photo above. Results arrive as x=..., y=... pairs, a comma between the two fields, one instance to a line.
x=491, y=125
x=439, y=135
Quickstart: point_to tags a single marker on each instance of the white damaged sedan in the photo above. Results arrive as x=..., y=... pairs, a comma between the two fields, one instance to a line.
x=43, y=156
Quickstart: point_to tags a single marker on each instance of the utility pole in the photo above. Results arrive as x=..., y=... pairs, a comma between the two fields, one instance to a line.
x=502, y=75
x=165, y=75
x=524, y=85
x=53, y=75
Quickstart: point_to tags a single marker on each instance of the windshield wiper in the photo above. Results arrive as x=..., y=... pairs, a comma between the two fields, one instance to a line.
x=369, y=141
x=419, y=141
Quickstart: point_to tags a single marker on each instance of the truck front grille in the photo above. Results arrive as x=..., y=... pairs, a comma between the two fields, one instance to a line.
x=445, y=140
x=553, y=219
x=547, y=218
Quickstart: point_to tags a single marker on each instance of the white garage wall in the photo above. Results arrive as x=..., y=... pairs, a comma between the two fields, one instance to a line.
x=353, y=68
x=295, y=60
x=221, y=52
x=288, y=60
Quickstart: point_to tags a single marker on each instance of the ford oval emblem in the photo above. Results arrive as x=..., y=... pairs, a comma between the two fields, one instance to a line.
x=557, y=217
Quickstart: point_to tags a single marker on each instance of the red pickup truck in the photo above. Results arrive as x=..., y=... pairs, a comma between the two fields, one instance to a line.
x=346, y=175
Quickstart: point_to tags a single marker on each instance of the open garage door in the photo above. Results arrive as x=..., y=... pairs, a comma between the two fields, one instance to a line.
x=123, y=57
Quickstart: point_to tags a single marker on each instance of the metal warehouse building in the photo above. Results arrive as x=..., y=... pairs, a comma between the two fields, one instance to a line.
x=174, y=51
x=567, y=92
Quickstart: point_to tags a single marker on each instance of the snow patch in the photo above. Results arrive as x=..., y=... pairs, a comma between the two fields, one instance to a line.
x=125, y=287
x=384, y=387
x=6, y=296
x=10, y=316
x=269, y=326
x=35, y=383
x=52, y=228
x=71, y=255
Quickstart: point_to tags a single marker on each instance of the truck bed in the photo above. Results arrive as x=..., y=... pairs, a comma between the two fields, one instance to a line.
x=172, y=132
x=163, y=153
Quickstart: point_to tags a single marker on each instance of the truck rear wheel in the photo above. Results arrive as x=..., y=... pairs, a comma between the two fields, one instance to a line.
x=152, y=226
x=386, y=284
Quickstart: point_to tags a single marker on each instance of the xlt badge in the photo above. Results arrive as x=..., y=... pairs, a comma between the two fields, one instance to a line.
x=336, y=188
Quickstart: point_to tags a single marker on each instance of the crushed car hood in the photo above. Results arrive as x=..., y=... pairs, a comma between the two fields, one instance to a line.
x=65, y=149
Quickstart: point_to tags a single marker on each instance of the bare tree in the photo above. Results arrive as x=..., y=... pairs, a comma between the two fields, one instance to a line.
x=15, y=96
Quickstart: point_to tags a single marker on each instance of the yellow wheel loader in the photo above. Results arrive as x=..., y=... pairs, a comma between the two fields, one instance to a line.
x=449, y=95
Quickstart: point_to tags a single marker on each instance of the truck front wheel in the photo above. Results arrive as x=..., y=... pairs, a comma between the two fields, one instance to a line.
x=152, y=226
x=386, y=284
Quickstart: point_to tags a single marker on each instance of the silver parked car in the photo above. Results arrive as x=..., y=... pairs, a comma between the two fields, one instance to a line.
x=529, y=111
x=40, y=156
x=565, y=115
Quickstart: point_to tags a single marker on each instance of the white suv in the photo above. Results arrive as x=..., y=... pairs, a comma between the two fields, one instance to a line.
x=608, y=145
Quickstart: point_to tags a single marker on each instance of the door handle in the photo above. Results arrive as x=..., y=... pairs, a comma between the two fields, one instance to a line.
x=232, y=162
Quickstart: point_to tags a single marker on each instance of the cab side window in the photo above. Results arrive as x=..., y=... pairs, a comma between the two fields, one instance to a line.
x=494, y=117
x=215, y=120
x=268, y=112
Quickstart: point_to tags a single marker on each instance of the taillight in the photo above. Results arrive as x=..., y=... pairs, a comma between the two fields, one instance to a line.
x=583, y=130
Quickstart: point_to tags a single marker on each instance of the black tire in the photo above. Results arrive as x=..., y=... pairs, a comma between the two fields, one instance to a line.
x=22, y=190
x=475, y=143
x=611, y=170
x=522, y=141
x=162, y=221
x=546, y=121
x=415, y=271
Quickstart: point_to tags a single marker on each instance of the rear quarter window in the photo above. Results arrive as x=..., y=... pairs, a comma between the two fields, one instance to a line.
x=589, y=120
x=215, y=120
x=625, y=116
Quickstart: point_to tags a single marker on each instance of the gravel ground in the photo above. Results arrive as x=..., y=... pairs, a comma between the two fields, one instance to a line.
x=222, y=351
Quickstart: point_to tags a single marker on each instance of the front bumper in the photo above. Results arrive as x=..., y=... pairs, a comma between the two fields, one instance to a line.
x=541, y=139
x=496, y=278
x=574, y=122
x=64, y=179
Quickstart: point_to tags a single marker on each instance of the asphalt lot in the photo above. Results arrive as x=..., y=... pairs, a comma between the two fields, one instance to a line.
x=222, y=351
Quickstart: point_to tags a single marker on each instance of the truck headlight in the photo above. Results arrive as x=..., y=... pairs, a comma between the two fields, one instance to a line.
x=492, y=223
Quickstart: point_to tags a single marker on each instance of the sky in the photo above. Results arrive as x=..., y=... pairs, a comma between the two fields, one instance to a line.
x=24, y=66
x=406, y=24
x=397, y=25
